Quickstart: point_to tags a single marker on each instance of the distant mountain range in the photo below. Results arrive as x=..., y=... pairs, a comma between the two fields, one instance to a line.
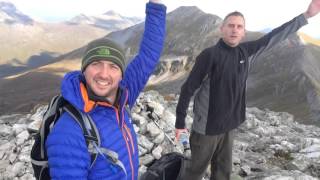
x=10, y=15
x=110, y=20
x=285, y=78
x=27, y=44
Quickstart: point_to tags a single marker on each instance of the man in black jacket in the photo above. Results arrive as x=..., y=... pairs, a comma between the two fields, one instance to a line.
x=219, y=80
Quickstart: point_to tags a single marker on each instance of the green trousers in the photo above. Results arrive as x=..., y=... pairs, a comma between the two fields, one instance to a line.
x=215, y=150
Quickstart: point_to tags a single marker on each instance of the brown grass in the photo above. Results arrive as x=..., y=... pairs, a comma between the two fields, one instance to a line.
x=309, y=39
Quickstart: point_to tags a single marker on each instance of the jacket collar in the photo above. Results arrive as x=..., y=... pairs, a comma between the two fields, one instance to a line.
x=224, y=45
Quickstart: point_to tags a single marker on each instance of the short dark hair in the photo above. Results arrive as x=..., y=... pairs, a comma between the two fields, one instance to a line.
x=234, y=13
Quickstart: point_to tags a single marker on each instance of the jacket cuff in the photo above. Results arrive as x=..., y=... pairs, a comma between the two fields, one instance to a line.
x=180, y=122
x=302, y=18
x=156, y=7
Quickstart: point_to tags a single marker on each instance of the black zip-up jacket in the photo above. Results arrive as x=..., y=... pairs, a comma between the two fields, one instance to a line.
x=218, y=81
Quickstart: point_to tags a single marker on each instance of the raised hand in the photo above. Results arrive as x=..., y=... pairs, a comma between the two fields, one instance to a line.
x=313, y=9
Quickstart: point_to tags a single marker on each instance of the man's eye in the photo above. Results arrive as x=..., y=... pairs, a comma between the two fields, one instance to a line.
x=114, y=66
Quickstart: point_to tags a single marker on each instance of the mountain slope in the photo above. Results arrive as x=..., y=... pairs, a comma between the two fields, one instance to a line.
x=285, y=78
x=26, y=47
x=26, y=44
x=21, y=37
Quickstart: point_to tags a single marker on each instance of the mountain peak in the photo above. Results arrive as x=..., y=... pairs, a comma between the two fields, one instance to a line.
x=7, y=6
x=111, y=13
x=187, y=10
x=191, y=12
x=110, y=20
x=81, y=19
x=190, y=8
x=10, y=15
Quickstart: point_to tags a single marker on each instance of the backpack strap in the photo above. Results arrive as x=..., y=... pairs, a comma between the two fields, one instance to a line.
x=90, y=134
x=113, y=157
x=50, y=117
x=108, y=154
x=93, y=140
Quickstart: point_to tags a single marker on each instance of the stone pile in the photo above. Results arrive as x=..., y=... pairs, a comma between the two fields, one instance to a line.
x=268, y=145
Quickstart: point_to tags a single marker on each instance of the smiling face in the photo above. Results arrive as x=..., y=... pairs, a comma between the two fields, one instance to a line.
x=103, y=77
x=233, y=30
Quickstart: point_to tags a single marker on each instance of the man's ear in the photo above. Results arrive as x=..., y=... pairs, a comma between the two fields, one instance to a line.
x=221, y=30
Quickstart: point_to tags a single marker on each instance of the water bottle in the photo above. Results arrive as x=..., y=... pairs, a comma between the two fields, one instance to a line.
x=184, y=140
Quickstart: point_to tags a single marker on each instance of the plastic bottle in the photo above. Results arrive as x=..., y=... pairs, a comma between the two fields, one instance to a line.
x=184, y=140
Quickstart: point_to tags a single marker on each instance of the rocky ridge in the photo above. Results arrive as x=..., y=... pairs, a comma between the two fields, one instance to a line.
x=268, y=145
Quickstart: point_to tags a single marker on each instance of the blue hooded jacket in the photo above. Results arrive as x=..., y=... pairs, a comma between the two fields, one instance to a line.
x=67, y=151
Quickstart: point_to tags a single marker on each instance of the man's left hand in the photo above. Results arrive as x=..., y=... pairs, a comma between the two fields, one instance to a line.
x=313, y=9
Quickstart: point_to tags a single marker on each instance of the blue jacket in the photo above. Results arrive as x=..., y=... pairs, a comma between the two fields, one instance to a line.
x=67, y=151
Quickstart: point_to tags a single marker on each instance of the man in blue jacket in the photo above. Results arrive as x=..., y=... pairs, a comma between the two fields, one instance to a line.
x=219, y=78
x=102, y=89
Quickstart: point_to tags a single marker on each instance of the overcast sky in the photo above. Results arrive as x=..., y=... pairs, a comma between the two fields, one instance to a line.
x=260, y=14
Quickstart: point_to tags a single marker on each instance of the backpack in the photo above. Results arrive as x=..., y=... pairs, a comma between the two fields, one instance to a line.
x=166, y=168
x=55, y=109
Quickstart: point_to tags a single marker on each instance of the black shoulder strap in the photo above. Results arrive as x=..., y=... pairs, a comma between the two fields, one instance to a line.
x=50, y=117
x=88, y=128
x=92, y=137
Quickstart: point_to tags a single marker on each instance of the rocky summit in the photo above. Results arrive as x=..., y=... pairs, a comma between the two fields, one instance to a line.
x=268, y=145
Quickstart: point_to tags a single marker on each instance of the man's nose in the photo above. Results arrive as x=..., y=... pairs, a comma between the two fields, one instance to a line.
x=235, y=30
x=105, y=71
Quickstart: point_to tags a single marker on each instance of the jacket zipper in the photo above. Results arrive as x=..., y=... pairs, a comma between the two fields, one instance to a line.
x=125, y=135
x=127, y=145
x=130, y=138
